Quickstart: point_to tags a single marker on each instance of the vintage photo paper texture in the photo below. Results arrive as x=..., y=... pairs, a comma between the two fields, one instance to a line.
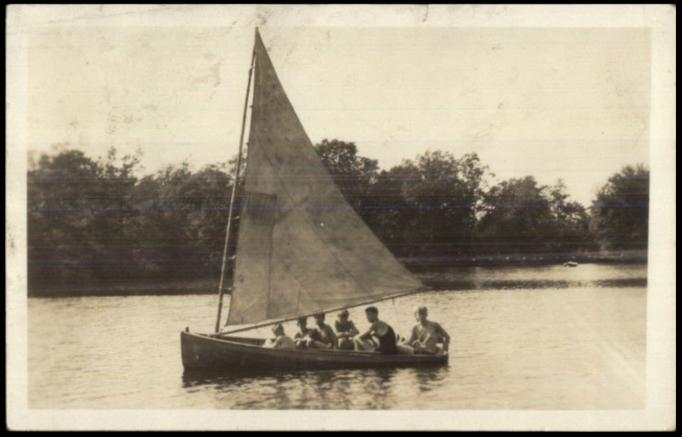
x=506, y=172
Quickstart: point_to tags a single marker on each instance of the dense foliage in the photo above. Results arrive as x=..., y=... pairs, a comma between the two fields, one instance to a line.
x=95, y=221
x=621, y=209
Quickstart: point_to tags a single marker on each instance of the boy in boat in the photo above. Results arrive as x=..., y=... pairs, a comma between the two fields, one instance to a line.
x=345, y=330
x=426, y=335
x=380, y=337
x=280, y=341
x=323, y=336
x=303, y=334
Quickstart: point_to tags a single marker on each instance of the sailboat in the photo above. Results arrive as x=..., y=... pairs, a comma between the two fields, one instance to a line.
x=301, y=248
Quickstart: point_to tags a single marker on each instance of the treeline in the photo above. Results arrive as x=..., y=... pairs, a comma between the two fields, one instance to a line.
x=94, y=222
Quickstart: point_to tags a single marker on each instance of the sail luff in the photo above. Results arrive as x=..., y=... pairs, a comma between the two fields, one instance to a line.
x=228, y=228
x=302, y=248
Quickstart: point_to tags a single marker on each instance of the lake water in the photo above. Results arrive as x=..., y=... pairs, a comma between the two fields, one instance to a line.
x=576, y=345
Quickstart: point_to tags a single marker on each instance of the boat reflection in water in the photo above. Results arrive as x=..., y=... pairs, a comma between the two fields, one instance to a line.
x=323, y=389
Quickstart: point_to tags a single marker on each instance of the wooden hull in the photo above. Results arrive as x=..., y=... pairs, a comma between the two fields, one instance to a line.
x=203, y=352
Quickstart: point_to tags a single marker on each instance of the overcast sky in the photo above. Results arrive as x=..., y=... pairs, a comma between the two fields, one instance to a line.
x=552, y=103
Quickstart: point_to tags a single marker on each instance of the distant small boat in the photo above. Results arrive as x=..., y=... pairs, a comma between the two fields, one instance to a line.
x=570, y=264
x=302, y=248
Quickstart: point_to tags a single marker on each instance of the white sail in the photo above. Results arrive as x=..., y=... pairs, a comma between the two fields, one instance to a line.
x=301, y=246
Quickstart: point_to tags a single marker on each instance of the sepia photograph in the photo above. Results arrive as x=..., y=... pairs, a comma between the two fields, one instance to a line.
x=297, y=217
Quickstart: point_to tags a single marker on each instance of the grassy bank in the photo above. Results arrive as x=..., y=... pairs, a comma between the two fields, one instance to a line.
x=430, y=270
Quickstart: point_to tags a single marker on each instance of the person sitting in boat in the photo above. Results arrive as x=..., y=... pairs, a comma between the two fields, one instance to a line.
x=426, y=335
x=323, y=337
x=380, y=337
x=281, y=340
x=345, y=331
x=303, y=335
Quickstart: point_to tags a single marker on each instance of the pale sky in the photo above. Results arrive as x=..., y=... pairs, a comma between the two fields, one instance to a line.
x=552, y=103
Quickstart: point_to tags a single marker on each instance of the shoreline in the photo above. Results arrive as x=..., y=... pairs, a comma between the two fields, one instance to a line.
x=430, y=264
x=424, y=267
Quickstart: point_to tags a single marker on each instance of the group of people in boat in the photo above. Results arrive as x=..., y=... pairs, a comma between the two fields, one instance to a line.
x=426, y=337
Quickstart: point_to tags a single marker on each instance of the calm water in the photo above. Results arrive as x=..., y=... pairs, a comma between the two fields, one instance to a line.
x=580, y=345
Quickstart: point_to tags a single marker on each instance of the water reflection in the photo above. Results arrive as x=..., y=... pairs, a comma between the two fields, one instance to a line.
x=340, y=389
x=530, y=347
x=426, y=379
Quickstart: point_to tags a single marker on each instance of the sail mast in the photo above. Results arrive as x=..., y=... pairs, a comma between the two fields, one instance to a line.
x=233, y=195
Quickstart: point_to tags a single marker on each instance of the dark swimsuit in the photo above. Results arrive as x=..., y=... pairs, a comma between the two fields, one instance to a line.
x=343, y=326
x=387, y=342
x=324, y=334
